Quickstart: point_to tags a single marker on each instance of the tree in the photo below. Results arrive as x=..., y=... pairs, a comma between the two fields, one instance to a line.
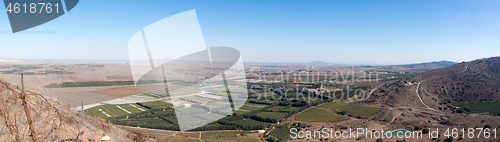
x=487, y=126
x=379, y=140
x=425, y=131
x=449, y=139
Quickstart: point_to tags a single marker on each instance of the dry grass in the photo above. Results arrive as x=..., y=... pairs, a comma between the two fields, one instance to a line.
x=50, y=120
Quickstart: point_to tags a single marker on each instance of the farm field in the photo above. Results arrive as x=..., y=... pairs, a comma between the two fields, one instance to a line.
x=355, y=109
x=98, y=111
x=73, y=96
x=252, y=107
x=121, y=91
x=250, y=123
x=395, y=132
x=481, y=107
x=229, y=136
x=344, y=94
x=158, y=133
x=291, y=109
x=133, y=108
x=212, y=136
x=95, y=83
x=319, y=115
x=278, y=108
x=156, y=104
x=272, y=115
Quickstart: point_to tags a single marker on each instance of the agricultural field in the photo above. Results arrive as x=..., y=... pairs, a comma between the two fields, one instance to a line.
x=281, y=133
x=278, y=108
x=217, y=135
x=127, y=90
x=17, y=69
x=192, y=135
x=355, y=109
x=96, y=83
x=197, y=99
x=256, y=114
x=252, y=107
x=156, y=104
x=492, y=108
x=370, y=85
x=113, y=110
x=158, y=133
x=345, y=94
x=227, y=136
x=98, y=111
x=291, y=109
x=250, y=123
x=144, y=122
x=319, y=115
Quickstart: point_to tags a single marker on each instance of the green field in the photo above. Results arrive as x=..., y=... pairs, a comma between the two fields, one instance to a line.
x=252, y=107
x=319, y=115
x=17, y=69
x=97, y=112
x=226, y=136
x=272, y=115
x=96, y=83
x=481, y=107
x=158, y=133
x=157, y=104
x=281, y=133
x=115, y=110
x=355, y=109
x=278, y=108
x=132, y=109
x=217, y=135
x=345, y=94
x=291, y=109
x=143, y=122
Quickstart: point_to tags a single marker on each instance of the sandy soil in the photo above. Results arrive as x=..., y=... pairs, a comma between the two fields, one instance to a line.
x=123, y=91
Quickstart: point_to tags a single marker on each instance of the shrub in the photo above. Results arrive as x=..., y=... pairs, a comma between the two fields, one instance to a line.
x=425, y=131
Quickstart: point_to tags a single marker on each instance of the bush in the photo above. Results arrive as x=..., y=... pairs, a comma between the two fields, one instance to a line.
x=487, y=126
x=425, y=131
x=449, y=139
x=379, y=140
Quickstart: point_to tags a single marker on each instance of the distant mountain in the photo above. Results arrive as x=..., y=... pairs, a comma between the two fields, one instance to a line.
x=318, y=62
x=429, y=65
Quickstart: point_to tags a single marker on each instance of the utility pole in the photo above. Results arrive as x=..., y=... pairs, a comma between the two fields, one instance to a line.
x=23, y=98
x=81, y=121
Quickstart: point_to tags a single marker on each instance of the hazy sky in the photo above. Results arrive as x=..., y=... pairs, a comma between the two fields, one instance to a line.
x=342, y=31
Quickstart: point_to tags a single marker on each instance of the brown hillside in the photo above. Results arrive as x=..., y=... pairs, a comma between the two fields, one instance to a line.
x=50, y=120
x=473, y=81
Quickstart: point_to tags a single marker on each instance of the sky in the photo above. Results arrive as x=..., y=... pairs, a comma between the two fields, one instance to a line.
x=368, y=32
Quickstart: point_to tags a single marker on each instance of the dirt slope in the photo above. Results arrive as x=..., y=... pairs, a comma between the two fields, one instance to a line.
x=50, y=120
